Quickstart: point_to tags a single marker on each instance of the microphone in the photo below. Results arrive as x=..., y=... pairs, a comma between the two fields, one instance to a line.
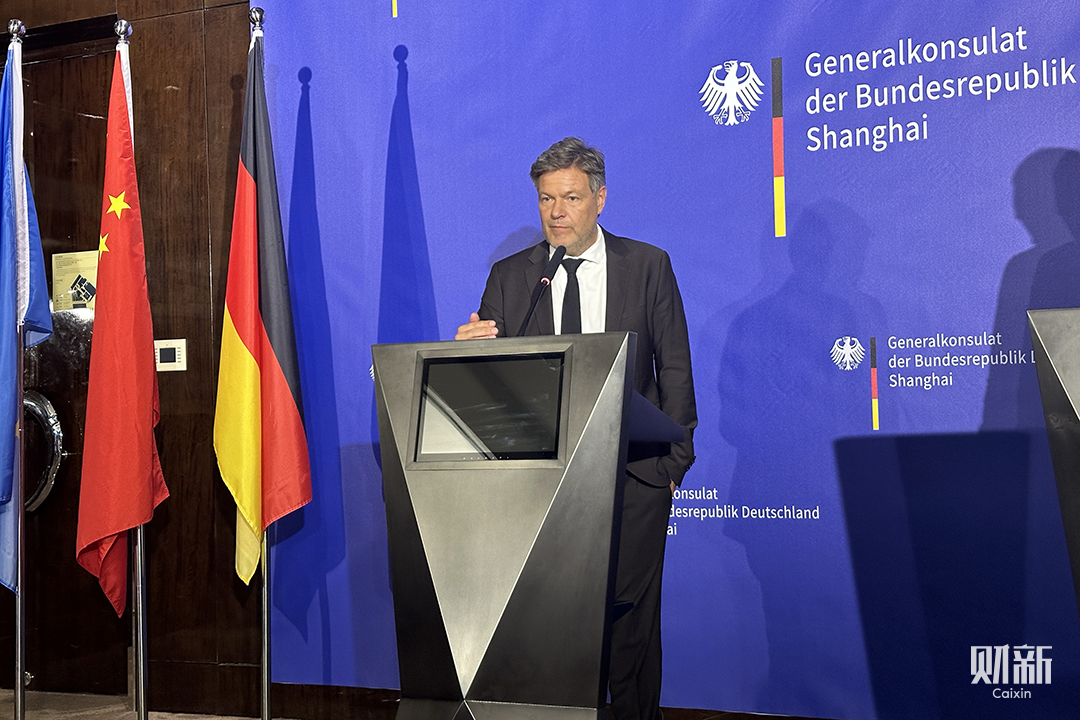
x=545, y=280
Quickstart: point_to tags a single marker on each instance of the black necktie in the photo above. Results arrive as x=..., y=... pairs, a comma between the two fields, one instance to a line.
x=571, y=304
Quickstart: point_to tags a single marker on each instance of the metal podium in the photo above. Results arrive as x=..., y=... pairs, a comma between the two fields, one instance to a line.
x=1055, y=338
x=502, y=463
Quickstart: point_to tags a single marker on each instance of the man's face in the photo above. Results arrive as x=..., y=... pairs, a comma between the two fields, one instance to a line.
x=568, y=209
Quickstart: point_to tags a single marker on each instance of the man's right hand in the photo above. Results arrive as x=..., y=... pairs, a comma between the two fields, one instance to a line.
x=476, y=329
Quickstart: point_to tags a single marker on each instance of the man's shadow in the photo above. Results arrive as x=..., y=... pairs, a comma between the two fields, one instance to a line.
x=1037, y=277
x=782, y=403
x=956, y=539
x=1046, y=199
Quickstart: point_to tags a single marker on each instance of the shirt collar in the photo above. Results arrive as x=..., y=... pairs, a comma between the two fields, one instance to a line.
x=596, y=253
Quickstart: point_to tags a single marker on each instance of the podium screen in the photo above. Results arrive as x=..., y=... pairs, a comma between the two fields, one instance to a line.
x=491, y=408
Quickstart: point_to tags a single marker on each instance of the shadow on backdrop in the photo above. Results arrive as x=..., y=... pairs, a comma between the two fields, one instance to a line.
x=1046, y=201
x=937, y=530
x=782, y=403
x=1067, y=184
x=311, y=540
x=1009, y=401
x=407, y=313
x=406, y=293
x=520, y=239
x=713, y=642
x=956, y=539
x=1054, y=284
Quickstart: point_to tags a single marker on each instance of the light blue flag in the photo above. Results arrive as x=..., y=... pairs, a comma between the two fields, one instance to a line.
x=24, y=297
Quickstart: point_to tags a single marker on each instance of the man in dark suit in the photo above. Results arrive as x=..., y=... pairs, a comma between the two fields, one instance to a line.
x=609, y=283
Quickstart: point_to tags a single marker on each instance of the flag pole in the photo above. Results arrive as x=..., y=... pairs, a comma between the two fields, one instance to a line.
x=139, y=618
x=137, y=536
x=16, y=29
x=258, y=305
x=20, y=553
x=20, y=557
x=266, y=713
x=255, y=17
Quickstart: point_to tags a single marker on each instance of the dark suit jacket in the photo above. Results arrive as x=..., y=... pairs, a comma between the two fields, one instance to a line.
x=642, y=297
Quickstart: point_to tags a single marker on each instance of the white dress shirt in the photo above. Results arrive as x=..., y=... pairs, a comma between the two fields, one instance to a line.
x=592, y=283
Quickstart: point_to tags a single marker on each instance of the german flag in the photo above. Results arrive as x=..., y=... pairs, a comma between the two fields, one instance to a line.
x=258, y=423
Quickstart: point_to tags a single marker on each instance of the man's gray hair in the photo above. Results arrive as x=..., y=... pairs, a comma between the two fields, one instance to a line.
x=571, y=152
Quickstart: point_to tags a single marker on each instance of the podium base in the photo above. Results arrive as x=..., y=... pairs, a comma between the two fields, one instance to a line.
x=481, y=710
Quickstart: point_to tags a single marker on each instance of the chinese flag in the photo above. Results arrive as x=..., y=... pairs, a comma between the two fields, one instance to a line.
x=121, y=475
x=258, y=423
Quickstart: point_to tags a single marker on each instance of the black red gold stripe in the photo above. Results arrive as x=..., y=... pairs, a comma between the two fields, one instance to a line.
x=873, y=382
x=779, y=190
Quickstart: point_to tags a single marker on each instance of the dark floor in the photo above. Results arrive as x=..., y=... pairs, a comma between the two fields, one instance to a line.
x=684, y=714
x=72, y=706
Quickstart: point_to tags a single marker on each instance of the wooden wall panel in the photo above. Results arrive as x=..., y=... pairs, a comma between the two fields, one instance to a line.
x=74, y=640
x=133, y=10
x=168, y=98
x=227, y=35
x=204, y=621
x=49, y=12
x=205, y=688
x=210, y=639
x=76, y=39
x=188, y=73
x=66, y=105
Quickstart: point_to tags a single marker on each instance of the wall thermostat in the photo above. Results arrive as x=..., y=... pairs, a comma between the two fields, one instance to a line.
x=170, y=355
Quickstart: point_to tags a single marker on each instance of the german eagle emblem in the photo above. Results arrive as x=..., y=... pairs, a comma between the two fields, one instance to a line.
x=847, y=353
x=731, y=99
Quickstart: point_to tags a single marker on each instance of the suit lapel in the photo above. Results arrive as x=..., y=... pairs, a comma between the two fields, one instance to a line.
x=543, y=322
x=616, y=281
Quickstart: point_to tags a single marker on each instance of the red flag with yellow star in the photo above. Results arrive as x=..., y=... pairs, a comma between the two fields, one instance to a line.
x=121, y=474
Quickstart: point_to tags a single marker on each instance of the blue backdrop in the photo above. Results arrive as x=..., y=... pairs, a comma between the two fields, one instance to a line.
x=403, y=146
